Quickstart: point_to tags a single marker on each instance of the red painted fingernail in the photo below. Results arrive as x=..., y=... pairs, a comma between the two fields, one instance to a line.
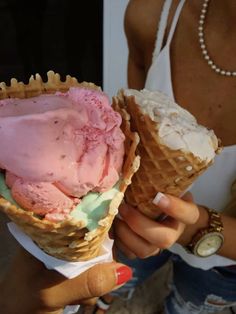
x=124, y=274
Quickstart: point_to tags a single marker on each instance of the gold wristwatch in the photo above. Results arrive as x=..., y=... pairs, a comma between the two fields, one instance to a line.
x=208, y=241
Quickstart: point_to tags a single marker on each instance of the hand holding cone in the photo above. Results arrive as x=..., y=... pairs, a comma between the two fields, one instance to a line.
x=162, y=168
x=69, y=239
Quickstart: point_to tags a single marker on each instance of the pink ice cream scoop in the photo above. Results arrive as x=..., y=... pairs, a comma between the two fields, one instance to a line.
x=57, y=148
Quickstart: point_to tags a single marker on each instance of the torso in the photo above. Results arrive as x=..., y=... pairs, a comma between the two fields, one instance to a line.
x=211, y=98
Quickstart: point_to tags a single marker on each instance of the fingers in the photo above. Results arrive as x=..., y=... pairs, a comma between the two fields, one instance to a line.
x=123, y=248
x=188, y=197
x=138, y=235
x=182, y=210
x=153, y=234
x=141, y=225
x=51, y=292
x=130, y=243
x=141, y=252
x=95, y=282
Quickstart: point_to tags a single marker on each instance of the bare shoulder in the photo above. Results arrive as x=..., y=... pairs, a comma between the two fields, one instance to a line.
x=141, y=20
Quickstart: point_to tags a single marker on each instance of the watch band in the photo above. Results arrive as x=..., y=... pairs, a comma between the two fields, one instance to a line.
x=215, y=225
x=215, y=221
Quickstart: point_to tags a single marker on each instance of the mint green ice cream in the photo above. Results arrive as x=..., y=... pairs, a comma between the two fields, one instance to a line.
x=92, y=208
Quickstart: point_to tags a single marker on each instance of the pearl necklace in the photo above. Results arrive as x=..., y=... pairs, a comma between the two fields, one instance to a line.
x=205, y=53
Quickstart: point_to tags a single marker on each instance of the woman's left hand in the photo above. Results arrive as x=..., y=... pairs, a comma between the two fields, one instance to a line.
x=29, y=288
x=136, y=235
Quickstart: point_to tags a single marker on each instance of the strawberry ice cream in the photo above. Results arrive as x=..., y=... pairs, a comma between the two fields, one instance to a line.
x=56, y=148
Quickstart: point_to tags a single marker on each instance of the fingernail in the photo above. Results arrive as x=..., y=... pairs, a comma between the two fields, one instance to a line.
x=161, y=200
x=124, y=274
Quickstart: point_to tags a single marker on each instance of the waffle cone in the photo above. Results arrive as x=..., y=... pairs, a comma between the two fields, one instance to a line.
x=70, y=239
x=162, y=169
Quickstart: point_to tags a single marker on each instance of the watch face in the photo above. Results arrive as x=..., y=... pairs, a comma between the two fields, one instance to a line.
x=209, y=244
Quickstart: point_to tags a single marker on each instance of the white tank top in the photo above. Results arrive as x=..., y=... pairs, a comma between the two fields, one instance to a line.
x=213, y=188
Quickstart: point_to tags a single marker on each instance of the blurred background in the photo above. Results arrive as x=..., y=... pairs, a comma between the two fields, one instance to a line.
x=82, y=38
x=65, y=36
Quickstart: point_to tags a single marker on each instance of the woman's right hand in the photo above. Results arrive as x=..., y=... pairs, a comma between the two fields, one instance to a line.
x=30, y=288
x=137, y=235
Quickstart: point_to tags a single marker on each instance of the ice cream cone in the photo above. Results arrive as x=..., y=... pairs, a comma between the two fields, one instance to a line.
x=162, y=169
x=70, y=239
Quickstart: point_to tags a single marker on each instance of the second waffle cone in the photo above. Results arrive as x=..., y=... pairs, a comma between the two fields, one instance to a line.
x=161, y=169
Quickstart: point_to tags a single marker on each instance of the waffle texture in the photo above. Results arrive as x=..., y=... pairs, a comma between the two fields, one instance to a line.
x=70, y=239
x=162, y=169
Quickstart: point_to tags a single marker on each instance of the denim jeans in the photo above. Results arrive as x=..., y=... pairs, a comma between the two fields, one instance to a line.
x=197, y=291
x=193, y=290
x=142, y=269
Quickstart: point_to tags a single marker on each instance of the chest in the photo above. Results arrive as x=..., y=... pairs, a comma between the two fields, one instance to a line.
x=210, y=97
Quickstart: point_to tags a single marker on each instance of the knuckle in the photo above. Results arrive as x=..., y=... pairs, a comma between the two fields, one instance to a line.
x=120, y=230
x=44, y=298
x=124, y=249
x=153, y=240
x=156, y=252
x=118, y=227
x=132, y=218
x=144, y=253
x=132, y=221
x=129, y=254
x=96, y=284
x=195, y=215
x=173, y=209
x=167, y=241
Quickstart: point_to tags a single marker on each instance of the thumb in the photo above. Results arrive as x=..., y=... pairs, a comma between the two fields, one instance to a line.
x=95, y=282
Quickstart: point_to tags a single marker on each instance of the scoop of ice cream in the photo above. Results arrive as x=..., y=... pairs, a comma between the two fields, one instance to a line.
x=177, y=128
x=89, y=211
x=66, y=143
x=41, y=198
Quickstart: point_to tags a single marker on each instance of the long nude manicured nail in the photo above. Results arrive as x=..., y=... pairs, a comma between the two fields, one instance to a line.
x=161, y=200
x=124, y=274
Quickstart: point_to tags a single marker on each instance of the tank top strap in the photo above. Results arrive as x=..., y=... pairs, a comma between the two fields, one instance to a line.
x=174, y=22
x=162, y=28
